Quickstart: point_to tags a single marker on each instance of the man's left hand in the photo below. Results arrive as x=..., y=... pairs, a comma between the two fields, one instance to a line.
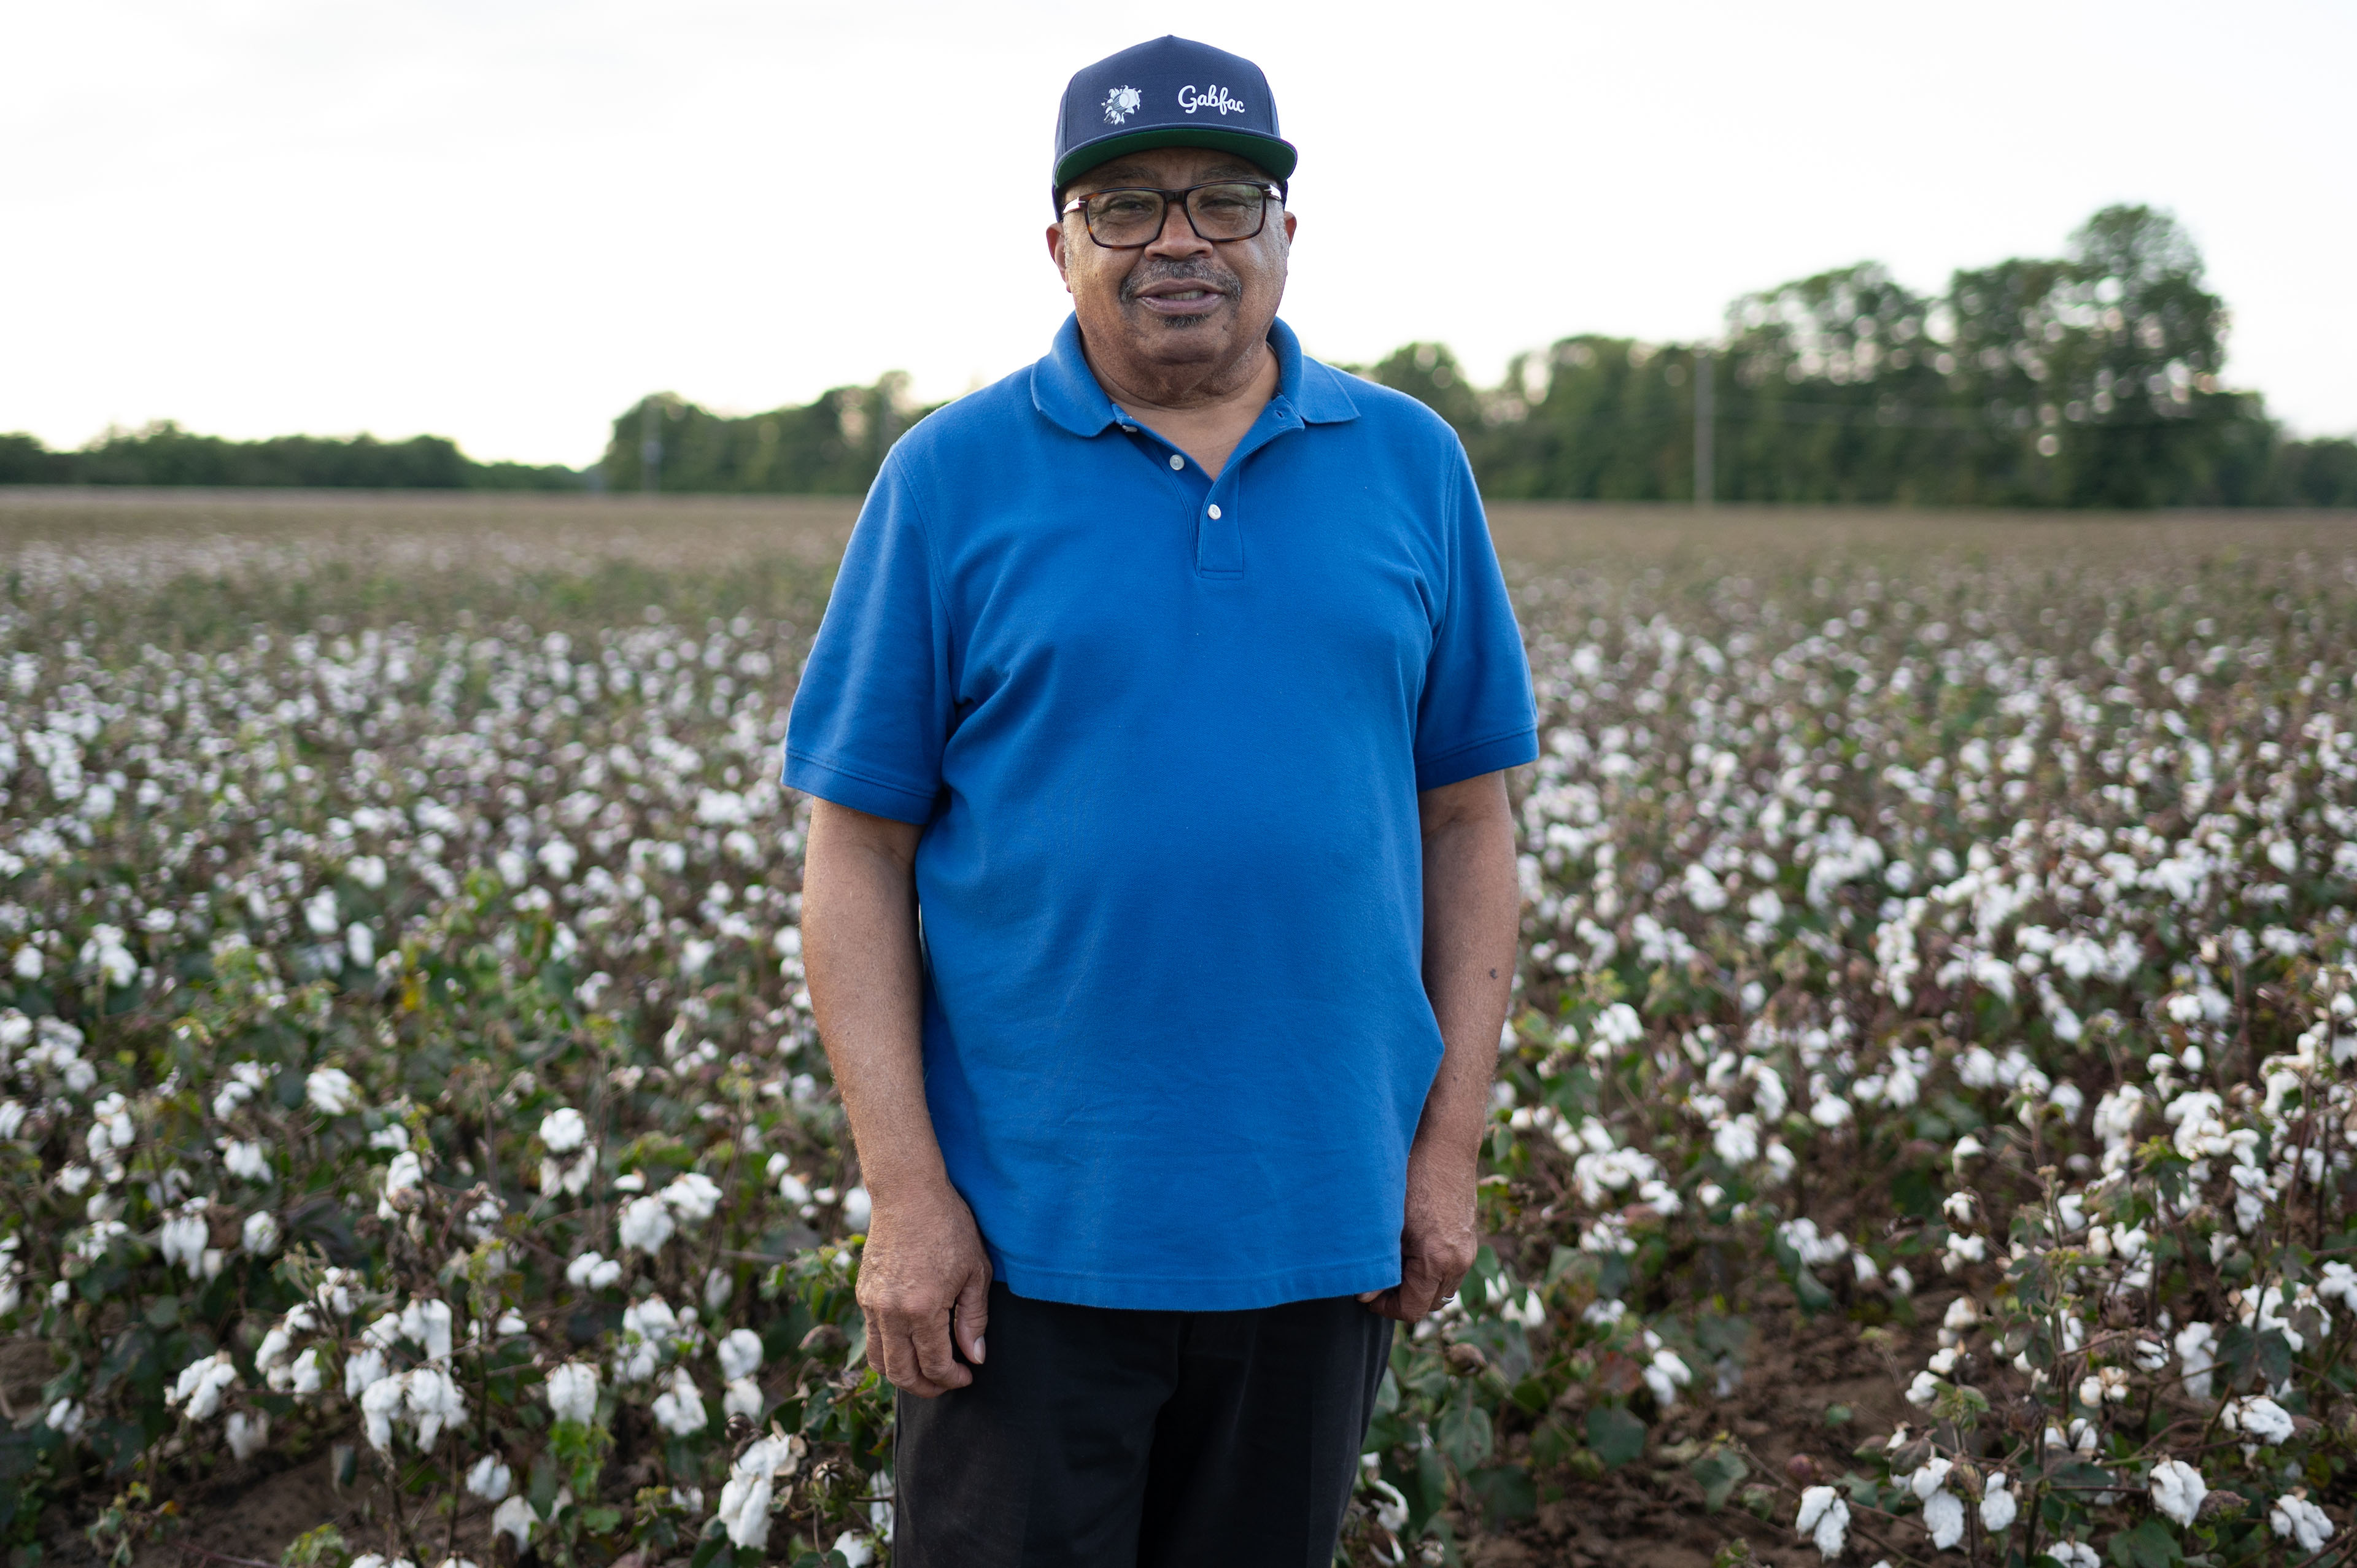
x=1438, y=1238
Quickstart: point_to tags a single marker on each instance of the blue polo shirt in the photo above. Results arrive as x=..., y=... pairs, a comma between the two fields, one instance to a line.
x=1165, y=736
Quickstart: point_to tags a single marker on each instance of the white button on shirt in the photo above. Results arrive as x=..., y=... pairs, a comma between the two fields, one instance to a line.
x=1177, y=461
x=1215, y=513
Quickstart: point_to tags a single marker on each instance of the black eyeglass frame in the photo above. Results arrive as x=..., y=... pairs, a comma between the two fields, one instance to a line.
x=1267, y=189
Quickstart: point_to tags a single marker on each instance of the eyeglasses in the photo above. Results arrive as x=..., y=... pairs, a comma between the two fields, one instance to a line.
x=1130, y=219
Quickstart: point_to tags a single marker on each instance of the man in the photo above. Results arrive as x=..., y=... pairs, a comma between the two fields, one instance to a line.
x=1161, y=901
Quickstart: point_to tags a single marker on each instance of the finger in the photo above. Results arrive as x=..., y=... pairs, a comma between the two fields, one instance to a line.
x=1414, y=1291
x=973, y=1312
x=889, y=1352
x=907, y=1370
x=935, y=1359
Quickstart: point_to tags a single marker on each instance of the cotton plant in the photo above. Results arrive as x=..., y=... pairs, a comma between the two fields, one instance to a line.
x=352, y=963
x=2133, y=1418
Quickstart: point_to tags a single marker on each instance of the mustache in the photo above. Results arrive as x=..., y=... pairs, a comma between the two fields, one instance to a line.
x=1201, y=273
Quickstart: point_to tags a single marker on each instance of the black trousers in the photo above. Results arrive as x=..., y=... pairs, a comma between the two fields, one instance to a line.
x=1094, y=1438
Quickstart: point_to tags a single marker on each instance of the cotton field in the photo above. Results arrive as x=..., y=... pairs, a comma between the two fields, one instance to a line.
x=409, y=1074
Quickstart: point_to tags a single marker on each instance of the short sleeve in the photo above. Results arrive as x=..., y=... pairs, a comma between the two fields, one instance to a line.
x=873, y=710
x=1476, y=715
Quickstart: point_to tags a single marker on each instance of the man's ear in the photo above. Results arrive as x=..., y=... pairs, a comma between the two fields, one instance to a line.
x=1056, y=253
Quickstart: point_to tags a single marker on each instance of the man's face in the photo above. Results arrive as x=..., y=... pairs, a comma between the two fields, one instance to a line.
x=1181, y=300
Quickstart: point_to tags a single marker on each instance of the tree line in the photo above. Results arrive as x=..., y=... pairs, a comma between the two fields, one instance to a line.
x=163, y=454
x=2091, y=379
x=2087, y=380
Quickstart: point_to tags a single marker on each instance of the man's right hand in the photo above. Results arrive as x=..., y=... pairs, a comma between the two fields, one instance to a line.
x=923, y=1278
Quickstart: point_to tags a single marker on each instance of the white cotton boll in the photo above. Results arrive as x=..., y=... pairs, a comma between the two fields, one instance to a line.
x=246, y=1159
x=427, y=1324
x=513, y=1519
x=1825, y=1518
x=2302, y=1521
x=563, y=1130
x=1902, y=1280
x=719, y=1284
x=403, y=1179
x=201, y=1388
x=592, y=1271
x=360, y=944
x=739, y=1353
x=246, y=1431
x=1923, y=1390
x=645, y=1225
x=2178, y=1489
x=559, y=858
x=857, y=1207
x=2197, y=1350
x=434, y=1402
x=380, y=1403
x=368, y=870
x=679, y=1410
x=572, y=1391
x=1997, y=1506
x=490, y=1478
x=66, y=1417
x=362, y=1368
x=1391, y=1504
x=743, y=1397
x=1736, y=1141
x=1929, y=1477
x=694, y=1196
x=320, y=914
x=1943, y=1516
x=790, y=1188
x=331, y=1091
x=181, y=1239
x=856, y=1549
x=260, y=1234
x=307, y=1375
x=2074, y=1554
x=744, y=1510
x=2258, y=1417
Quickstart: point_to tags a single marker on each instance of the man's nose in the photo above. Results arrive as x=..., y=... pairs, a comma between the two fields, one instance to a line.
x=1178, y=237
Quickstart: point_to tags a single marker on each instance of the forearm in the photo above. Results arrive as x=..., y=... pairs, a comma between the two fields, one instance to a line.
x=1472, y=914
x=860, y=953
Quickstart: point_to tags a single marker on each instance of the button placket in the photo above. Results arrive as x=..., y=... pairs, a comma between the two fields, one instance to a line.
x=1219, y=541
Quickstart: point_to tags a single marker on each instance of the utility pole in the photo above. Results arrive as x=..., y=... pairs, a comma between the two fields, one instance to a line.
x=650, y=445
x=1704, y=485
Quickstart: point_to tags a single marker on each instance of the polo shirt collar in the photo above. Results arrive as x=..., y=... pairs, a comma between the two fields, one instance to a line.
x=1064, y=389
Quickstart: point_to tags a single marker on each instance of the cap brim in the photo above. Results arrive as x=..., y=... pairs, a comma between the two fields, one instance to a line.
x=1271, y=153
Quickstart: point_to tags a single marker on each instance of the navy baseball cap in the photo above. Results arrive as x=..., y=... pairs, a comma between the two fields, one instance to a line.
x=1171, y=92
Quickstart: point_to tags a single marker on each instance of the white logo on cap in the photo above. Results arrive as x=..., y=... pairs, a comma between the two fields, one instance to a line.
x=1120, y=105
x=1190, y=100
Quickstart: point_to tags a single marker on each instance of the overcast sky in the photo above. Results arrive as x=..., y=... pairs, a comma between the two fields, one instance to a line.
x=504, y=221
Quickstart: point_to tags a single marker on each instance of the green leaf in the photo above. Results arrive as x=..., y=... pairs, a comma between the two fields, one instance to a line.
x=715, y=1541
x=1506, y=1493
x=601, y=1521
x=1464, y=1431
x=2148, y=1545
x=1615, y=1435
x=1718, y=1472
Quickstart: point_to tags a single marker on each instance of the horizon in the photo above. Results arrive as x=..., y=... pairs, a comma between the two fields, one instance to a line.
x=516, y=222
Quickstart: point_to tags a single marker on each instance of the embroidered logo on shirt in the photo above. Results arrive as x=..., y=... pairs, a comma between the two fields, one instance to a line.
x=1120, y=105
